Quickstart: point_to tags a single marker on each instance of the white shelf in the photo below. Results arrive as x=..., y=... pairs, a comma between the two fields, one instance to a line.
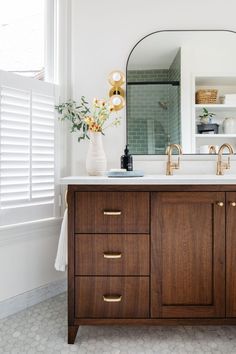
x=215, y=136
x=225, y=85
x=229, y=80
x=222, y=107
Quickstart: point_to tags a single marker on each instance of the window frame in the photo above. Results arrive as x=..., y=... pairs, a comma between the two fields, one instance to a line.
x=51, y=70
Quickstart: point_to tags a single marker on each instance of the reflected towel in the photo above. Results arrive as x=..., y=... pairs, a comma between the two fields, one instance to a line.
x=61, y=258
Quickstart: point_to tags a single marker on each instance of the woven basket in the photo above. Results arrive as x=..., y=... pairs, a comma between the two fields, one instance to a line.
x=206, y=96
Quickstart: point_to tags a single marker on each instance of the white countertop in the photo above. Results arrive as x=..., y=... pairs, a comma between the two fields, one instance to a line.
x=151, y=180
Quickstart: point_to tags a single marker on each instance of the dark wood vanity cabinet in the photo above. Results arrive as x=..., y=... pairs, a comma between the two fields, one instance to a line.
x=151, y=255
x=231, y=254
x=188, y=254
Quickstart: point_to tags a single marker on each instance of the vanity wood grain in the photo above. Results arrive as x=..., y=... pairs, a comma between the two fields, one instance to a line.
x=188, y=252
x=231, y=254
x=92, y=212
x=179, y=259
x=133, y=250
x=134, y=293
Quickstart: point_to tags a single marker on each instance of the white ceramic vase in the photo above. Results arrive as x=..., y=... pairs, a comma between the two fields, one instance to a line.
x=229, y=126
x=96, y=162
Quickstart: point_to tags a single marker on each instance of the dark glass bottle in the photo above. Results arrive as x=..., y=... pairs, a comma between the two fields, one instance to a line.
x=127, y=160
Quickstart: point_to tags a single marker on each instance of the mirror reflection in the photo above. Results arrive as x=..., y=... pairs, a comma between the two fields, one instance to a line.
x=181, y=89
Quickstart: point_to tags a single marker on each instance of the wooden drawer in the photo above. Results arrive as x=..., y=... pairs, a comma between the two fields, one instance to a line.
x=112, y=297
x=111, y=254
x=112, y=212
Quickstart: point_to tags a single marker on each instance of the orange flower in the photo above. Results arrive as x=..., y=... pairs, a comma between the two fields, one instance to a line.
x=99, y=103
x=94, y=127
x=95, y=101
x=88, y=120
x=111, y=108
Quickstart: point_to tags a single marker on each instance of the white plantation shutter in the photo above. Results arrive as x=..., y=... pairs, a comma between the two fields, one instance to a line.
x=43, y=164
x=15, y=146
x=27, y=149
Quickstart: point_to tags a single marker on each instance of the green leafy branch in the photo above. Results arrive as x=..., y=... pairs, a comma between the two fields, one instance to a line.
x=82, y=119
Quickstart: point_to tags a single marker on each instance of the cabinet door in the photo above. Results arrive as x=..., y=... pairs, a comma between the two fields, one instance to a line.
x=188, y=254
x=231, y=254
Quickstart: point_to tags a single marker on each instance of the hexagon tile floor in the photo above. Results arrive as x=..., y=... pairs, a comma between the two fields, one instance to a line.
x=43, y=329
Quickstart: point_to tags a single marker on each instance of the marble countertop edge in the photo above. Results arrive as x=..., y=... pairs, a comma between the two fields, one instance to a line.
x=150, y=180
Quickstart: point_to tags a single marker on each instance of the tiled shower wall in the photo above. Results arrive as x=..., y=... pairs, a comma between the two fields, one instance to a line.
x=147, y=75
x=174, y=99
x=149, y=122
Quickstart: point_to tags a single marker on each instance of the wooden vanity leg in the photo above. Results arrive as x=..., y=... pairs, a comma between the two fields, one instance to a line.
x=72, y=332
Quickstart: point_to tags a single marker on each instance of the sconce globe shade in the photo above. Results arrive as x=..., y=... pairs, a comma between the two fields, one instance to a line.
x=116, y=78
x=117, y=102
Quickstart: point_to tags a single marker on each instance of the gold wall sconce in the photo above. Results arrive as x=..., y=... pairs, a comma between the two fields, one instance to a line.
x=117, y=93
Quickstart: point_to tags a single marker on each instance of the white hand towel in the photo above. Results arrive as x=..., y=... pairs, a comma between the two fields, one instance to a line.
x=61, y=258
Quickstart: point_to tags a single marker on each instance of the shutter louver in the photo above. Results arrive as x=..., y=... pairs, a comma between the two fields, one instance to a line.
x=43, y=148
x=15, y=147
x=27, y=145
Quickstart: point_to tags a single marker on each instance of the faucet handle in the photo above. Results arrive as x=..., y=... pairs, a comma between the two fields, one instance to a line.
x=212, y=149
x=228, y=164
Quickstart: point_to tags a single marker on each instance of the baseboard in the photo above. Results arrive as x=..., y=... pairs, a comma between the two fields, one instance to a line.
x=20, y=302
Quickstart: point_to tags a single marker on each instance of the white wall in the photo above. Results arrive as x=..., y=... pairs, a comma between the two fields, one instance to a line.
x=104, y=32
x=27, y=255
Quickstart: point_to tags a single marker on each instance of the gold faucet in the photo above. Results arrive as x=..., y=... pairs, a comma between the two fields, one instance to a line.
x=221, y=166
x=170, y=166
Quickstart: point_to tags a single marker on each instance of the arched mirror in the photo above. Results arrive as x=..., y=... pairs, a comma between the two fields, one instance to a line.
x=181, y=88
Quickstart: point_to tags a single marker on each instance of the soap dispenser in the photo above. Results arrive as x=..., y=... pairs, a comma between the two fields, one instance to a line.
x=127, y=160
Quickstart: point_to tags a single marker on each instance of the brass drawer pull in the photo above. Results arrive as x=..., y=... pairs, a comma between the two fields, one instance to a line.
x=112, y=212
x=233, y=204
x=112, y=255
x=112, y=298
x=221, y=204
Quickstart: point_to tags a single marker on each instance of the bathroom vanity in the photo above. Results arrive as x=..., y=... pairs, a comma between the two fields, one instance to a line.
x=156, y=250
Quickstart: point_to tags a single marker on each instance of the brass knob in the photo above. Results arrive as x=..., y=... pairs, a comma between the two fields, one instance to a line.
x=233, y=204
x=221, y=204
